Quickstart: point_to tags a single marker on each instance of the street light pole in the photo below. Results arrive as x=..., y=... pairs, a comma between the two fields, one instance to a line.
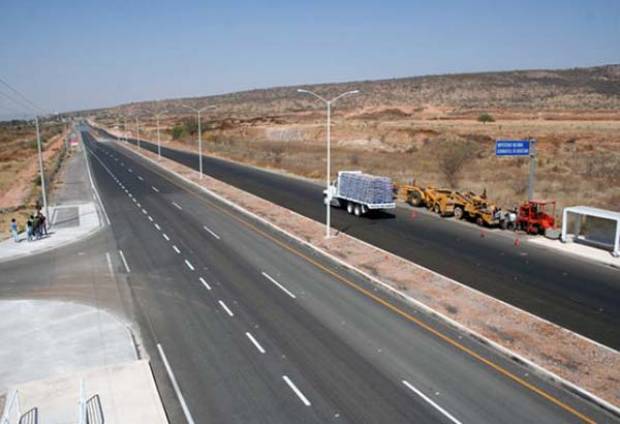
x=328, y=104
x=125, y=128
x=199, y=145
x=36, y=120
x=198, y=112
x=157, y=116
x=138, y=132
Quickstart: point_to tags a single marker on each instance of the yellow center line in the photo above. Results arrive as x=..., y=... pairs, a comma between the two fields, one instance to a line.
x=390, y=306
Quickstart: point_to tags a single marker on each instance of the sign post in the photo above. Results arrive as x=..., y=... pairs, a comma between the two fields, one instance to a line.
x=525, y=147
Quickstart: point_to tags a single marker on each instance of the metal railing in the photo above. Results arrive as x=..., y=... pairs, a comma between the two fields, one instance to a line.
x=12, y=409
x=90, y=410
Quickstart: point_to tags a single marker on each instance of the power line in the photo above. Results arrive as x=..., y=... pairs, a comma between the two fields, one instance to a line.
x=16, y=101
x=20, y=94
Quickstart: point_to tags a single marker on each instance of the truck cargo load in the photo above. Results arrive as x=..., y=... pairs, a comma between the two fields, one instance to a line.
x=360, y=193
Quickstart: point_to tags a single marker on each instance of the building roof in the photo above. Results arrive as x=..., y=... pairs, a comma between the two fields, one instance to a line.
x=600, y=213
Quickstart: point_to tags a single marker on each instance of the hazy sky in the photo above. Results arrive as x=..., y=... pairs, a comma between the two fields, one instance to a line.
x=67, y=55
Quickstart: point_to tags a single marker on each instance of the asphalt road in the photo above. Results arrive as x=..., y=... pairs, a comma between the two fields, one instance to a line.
x=257, y=329
x=574, y=293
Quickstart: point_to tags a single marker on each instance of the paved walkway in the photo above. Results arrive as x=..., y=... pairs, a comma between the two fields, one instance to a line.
x=73, y=214
x=65, y=336
x=69, y=223
x=579, y=249
x=127, y=394
x=73, y=343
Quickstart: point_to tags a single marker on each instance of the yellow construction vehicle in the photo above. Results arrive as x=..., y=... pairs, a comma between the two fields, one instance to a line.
x=476, y=208
x=439, y=200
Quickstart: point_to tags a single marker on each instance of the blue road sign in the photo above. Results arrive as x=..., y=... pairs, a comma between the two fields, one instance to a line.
x=512, y=147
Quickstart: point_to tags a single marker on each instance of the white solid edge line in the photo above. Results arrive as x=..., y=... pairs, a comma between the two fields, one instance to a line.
x=255, y=342
x=176, y=249
x=208, y=230
x=204, y=283
x=228, y=311
x=176, y=205
x=166, y=236
x=124, y=261
x=298, y=392
x=92, y=182
x=430, y=401
x=189, y=265
x=155, y=189
x=109, y=260
x=175, y=385
x=284, y=289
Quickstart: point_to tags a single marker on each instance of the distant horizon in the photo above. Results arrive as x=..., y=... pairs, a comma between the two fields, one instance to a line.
x=315, y=84
x=66, y=56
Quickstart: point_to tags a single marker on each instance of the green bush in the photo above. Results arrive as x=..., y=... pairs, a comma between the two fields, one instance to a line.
x=178, y=131
x=485, y=117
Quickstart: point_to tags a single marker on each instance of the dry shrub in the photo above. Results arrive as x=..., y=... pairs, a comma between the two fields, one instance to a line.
x=454, y=153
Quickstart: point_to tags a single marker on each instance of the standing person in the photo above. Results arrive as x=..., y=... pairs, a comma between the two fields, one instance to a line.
x=29, y=228
x=42, y=223
x=14, y=231
x=36, y=227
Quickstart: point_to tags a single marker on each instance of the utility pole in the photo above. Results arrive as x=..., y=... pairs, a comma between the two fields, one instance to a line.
x=41, y=171
x=531, y=179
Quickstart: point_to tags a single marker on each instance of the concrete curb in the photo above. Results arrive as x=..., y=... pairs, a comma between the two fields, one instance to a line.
x=505, y=351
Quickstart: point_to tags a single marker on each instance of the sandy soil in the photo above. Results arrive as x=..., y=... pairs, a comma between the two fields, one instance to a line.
x=19, y=196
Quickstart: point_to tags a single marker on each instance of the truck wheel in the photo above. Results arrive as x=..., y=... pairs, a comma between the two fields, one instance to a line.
x=357, y=210
x=350, y=208
x=458, y=212
x=480, y=221
x=415, y=198
x=437, y=209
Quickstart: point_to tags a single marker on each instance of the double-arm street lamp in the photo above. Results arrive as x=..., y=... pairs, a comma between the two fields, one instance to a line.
x=157, y=116
x=328, y=103
x=198, y=112
x=138, y=132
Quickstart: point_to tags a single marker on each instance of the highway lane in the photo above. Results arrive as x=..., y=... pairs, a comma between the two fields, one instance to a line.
x=216, y=290
x=574, y=293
